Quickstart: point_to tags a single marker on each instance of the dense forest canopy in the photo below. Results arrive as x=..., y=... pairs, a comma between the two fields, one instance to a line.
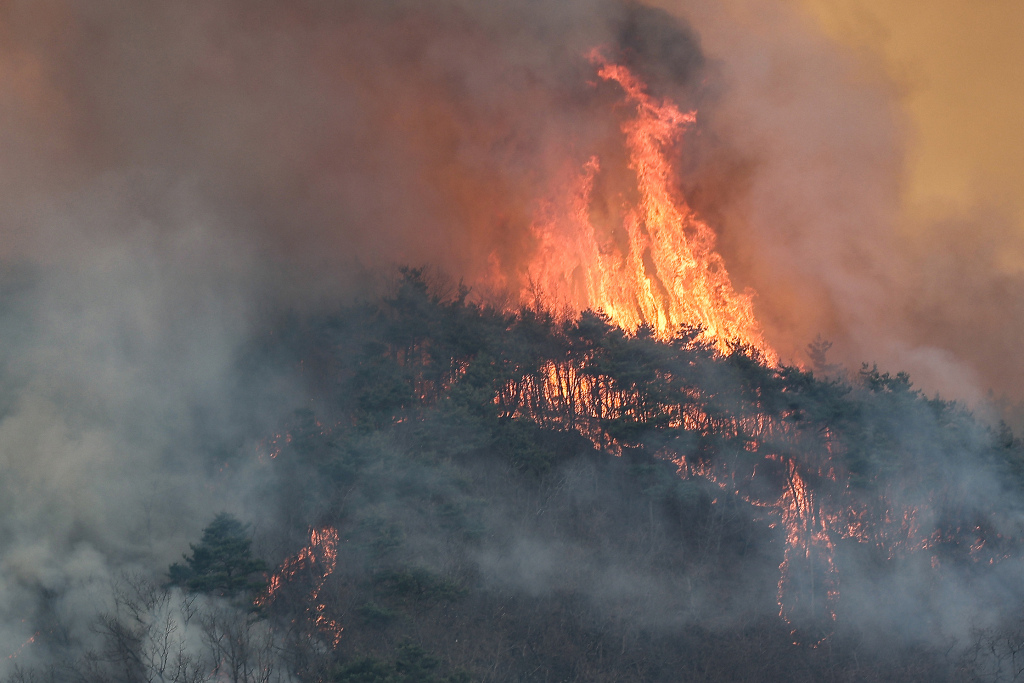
x=470, y=494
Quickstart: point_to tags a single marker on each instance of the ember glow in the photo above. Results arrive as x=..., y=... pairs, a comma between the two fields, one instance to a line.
x=815, y=520
x=31, y=640
x=657, y=266
x=314, y=563
x=808, y=585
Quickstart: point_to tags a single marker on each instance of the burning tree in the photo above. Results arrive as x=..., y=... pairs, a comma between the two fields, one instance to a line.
x=560, y=496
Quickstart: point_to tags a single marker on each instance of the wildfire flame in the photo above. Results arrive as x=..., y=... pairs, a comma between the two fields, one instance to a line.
x=319, y=559
x=659, y=267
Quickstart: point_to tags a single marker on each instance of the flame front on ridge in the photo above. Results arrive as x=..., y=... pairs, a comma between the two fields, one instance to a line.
x=662, y=270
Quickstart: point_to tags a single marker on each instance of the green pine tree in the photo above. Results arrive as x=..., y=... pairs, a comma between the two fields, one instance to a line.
x=221, y=563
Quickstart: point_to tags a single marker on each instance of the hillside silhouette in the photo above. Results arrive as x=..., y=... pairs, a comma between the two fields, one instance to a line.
x=472, y=494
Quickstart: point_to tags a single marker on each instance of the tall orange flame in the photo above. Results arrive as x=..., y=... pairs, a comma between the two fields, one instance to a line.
x=665, y=273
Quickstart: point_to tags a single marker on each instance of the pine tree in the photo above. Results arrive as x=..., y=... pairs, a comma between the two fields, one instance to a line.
x=221, y=563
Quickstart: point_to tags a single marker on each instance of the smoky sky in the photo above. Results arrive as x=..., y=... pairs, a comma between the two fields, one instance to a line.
x=335, y=139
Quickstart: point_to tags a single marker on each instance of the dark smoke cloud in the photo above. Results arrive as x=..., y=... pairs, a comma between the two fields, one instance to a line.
x=322, y=131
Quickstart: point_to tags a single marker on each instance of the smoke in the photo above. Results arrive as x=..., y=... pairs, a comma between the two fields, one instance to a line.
x=118, y=393
x=865, y=214
x=176, y=174
x=327, y=134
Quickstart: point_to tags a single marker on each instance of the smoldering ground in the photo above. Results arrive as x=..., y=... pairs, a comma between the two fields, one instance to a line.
x=175, y=175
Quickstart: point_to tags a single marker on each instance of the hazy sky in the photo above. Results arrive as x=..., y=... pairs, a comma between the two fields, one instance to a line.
x=960, y=67
x=886, y=210
x=860, y=160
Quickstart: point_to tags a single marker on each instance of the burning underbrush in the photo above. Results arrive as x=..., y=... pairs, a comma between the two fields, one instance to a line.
x=478, y=494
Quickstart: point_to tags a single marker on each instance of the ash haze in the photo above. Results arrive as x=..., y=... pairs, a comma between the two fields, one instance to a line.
x=884, y=178
x=326, y=134
x=174, y=174
x=958, y=70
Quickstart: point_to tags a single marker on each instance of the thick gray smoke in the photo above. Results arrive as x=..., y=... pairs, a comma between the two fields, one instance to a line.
x=175, y=172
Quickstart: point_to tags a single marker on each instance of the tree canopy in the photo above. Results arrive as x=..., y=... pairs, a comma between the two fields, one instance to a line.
x=222, y=562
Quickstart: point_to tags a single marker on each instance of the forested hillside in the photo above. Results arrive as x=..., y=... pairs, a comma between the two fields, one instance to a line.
x=466, y=494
